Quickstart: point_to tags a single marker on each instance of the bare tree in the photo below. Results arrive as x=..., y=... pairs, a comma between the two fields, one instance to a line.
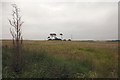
x=17, y=38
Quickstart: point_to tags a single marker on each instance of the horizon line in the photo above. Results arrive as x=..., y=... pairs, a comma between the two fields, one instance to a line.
x=71, y=39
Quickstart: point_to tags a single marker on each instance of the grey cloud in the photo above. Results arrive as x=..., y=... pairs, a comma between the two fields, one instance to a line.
x=81, y=20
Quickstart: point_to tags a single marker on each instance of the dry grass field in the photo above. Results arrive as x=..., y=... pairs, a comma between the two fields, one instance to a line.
x=63, y=59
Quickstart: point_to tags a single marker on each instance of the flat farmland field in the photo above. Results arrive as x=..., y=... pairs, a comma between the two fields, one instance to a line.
x=63, y=59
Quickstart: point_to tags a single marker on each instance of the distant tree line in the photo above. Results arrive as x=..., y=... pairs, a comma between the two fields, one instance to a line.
x=53, y=36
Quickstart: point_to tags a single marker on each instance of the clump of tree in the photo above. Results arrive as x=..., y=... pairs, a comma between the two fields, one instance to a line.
x=17, y=38
x=69, y=39
x=61, y=35
x=53, y=36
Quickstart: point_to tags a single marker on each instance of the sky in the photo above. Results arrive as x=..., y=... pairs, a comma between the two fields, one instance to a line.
x=76, y=19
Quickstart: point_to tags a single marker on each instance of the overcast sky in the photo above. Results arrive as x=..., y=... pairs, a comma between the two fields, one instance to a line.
x=96, y=20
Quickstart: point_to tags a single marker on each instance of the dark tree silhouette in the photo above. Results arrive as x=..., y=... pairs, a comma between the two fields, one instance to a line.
x=61, y=35
x=53, y=35
x=49, y=38
x=17, y=38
